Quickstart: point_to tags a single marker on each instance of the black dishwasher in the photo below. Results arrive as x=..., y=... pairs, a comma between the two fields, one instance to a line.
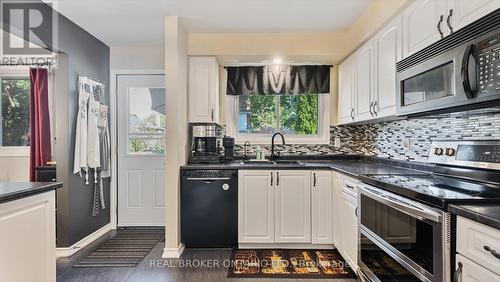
x=209, y=208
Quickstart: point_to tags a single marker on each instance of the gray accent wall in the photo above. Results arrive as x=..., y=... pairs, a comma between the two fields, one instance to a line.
x=80, y=53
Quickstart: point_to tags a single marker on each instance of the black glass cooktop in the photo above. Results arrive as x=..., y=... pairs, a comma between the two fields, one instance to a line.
x=435, y=189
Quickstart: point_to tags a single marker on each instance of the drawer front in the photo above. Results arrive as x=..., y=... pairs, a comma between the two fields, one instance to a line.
x=467, y=270
x=349, y=185
x=479, y=243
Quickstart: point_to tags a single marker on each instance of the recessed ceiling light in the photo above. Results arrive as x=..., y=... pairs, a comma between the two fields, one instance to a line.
x=277, y=61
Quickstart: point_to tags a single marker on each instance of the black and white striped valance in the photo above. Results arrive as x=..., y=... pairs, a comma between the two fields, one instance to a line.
x=278, y=80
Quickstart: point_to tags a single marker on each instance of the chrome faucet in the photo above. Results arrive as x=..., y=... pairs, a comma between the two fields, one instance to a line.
x=277, y=155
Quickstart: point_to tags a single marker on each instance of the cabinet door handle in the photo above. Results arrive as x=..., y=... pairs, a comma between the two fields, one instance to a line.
x=212, y=114
x=492, y=252
x=448, y=20
x=314, y=179
x=277, y=178
x=352, y=113
x=271, y=178
x=458, y=272
x=441, y=18
x=371, y=111
x=375, y=108
x=356, y=212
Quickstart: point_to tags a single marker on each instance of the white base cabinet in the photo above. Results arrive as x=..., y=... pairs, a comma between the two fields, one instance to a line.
x=28, y=239
x=469, y=271
x=255, y=206
x=285, y=207
x=292, y=207
x=322, y=207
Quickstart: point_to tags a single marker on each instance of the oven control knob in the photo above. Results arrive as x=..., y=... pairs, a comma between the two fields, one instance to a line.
x=438, y=151
x=450, y=152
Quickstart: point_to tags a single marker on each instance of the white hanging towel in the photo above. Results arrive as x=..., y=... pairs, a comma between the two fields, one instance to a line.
x=80, y=162
x=93, y=152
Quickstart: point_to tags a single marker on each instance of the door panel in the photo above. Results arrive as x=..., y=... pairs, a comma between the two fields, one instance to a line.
x=349, y=222
x=293, y=207
x=255, y=206
x=364, y=81
x=346, y=90
x=388, y=53
x=467, y=11
x=159, y=185
x=420, y=21
x=322, y=207
x=337, y=207
x=141, y=150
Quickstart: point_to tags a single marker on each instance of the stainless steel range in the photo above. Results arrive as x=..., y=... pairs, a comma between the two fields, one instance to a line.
x=404, y=226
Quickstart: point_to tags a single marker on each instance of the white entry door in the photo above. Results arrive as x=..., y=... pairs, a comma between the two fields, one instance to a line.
x=141, y=150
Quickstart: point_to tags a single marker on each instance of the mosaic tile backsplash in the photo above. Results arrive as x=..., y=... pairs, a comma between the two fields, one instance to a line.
x=387, y=139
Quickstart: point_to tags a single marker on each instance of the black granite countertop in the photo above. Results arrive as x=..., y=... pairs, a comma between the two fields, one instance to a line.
x=488, y=214
x=10, y=191
x=351, y=165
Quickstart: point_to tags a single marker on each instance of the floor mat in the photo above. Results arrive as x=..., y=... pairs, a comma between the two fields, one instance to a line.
x=285, y=263
x=126, y=249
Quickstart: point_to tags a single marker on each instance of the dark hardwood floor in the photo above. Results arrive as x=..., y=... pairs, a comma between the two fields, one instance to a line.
x=153, y=268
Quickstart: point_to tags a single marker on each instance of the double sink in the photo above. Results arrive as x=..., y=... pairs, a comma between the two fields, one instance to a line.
x=269, y=162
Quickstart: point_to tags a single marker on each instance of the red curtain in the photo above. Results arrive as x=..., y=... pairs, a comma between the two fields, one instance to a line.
x=40, y=149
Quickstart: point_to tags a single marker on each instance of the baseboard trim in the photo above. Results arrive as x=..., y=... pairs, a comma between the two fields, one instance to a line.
x=71, y=250
x=173, y=252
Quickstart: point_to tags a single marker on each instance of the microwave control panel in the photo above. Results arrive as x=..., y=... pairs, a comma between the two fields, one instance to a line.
x=489, y=65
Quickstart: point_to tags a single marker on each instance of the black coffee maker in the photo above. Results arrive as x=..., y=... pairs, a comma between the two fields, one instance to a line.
x=206, y=139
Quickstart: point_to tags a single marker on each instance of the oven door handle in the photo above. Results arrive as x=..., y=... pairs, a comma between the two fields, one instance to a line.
x=406, y=206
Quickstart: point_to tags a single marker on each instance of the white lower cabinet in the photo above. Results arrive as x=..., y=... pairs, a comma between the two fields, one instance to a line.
x=292, y=206
x=28, y=239
x=467, y=270
x=255, y=206
x=337, y=204
x=322, y=207
x=285, y=207
x=349, y=230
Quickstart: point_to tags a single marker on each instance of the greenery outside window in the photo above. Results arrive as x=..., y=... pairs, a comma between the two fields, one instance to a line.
x=14, y=112
x=303, y=119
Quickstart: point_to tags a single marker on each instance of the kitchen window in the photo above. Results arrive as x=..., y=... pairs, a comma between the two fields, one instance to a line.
x=14, y=115
x=303, y=119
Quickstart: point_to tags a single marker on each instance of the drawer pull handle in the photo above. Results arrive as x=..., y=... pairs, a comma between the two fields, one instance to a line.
x=349, y=186
x=458, y=272
x=492, y=252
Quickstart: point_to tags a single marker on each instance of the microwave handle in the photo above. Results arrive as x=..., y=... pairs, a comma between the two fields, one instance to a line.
x=470, y=51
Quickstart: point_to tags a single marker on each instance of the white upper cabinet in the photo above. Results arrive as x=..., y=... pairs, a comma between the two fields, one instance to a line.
x=427, y=21
x=364, y=81
x=346, y=97
x=293, y=206
x=203, y=89
x=255, y=206
x=322, y=207
x=422, y=22
x=388, y=51
x=464, y=12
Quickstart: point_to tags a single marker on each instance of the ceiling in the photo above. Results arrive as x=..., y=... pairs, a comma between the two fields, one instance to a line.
x=141, y=22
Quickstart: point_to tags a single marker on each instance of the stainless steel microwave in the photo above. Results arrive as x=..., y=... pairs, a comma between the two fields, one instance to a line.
x=459, y=76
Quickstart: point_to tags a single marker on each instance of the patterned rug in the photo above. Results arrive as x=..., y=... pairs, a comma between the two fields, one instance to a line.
x=285, y=263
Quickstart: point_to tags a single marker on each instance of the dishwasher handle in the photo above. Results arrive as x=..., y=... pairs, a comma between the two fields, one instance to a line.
x=207, y=178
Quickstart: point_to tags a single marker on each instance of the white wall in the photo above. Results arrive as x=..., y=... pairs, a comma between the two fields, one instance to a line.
x=15, y=169
x=132, y=58
x=176, y=65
